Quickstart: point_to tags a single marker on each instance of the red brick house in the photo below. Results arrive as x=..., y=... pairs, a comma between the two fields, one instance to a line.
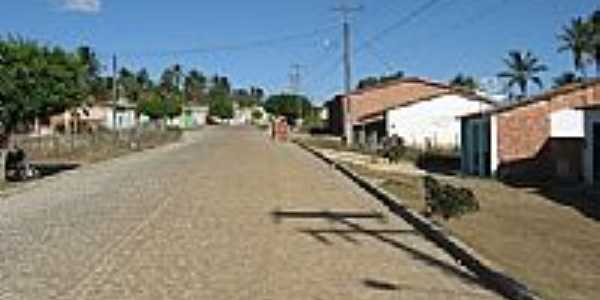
x=538, y=138
x=373, y=100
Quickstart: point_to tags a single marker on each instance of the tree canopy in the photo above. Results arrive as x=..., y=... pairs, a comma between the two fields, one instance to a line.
x=37, y=81
x=465, y=82
x=289, y=105
x=158, y=106
x=581, y=37
x=523, y=68
x=374, y=80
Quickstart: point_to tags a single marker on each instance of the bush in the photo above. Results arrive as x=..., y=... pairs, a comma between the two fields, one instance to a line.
x=393, y=149
x=448, y=201
x=257, y=115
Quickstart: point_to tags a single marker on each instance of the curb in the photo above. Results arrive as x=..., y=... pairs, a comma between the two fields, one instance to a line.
x=492, y=279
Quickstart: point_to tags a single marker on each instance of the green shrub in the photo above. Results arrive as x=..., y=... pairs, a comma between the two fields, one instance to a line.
x=257, y=115
x=448, y=201
x=393, y=149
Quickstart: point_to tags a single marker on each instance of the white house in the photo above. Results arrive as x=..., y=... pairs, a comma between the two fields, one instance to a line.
x=119, y=116
x=191, y=117
x=432, y=121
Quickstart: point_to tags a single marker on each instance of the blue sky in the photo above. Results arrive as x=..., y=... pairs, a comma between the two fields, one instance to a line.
x=469, y=36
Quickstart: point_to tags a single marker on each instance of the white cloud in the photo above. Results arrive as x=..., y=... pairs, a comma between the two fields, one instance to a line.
x=85, y=6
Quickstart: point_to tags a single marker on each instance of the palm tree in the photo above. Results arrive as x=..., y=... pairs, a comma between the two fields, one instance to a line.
x=523, y=68
x=575, y=38
x=566, y=78
x=594, y=40
x=143, y=79
x=129, y=83
x=465, y=82
x=194, y=86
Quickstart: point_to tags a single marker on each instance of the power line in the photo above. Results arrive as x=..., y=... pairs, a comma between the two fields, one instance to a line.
x=235, y=46
x=478, y=16
x=403, y=21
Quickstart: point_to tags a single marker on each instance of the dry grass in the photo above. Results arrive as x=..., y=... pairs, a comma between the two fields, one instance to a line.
x=547, y=237
x=86, y=148
x=554, y=248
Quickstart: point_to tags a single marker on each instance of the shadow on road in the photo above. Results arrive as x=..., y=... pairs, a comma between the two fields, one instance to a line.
x=384, y=236
x=51, y=169
x=380, y=285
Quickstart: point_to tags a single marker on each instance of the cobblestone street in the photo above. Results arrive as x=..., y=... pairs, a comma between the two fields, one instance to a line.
x=225, y=214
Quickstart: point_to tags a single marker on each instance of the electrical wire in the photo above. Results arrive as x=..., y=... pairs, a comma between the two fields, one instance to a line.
x=234, y=47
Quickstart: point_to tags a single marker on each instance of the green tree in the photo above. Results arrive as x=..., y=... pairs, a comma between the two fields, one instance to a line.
x=194, y=86
x=152, y=106
x=374, y=81
x=143, y=80
x=367, y=82
x=594, y=41
x=170, y=79
x=257, y=93
x=522, y=68
x=220, y=84
x=391, y=77
x=567, y=78
x=576, y=39
x=465, y=82
x=37, y=81
x=129, y=84
x=160, y=107
x=290, y=106
x=221, y=107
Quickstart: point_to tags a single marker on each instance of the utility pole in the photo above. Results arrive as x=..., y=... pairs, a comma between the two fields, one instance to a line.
x=296, y=78
x=295, y=87
x=115, y=91
x=346, y=10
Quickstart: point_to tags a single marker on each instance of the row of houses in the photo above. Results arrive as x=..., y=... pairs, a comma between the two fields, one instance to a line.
x=121, y=115
x=555, y=134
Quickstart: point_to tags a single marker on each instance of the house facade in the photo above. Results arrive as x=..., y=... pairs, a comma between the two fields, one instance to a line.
x=119, y=116
x=191, y=117
x=365, y=106
x=422, y=112
x=538, y=138
x=432, y=121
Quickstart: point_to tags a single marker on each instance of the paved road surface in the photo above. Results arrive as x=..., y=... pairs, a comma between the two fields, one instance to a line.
x=225, y=215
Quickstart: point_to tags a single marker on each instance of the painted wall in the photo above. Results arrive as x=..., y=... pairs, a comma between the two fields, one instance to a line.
x=567, y=123
x=125, y=119
x=433, y=121
x=591, y=117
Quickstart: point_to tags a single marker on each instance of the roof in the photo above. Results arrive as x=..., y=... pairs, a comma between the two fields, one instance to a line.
x=122, y=103
x=547, y=96
x=379, y=98
x=397, y=82
x=453, y=91
x=589, y=107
